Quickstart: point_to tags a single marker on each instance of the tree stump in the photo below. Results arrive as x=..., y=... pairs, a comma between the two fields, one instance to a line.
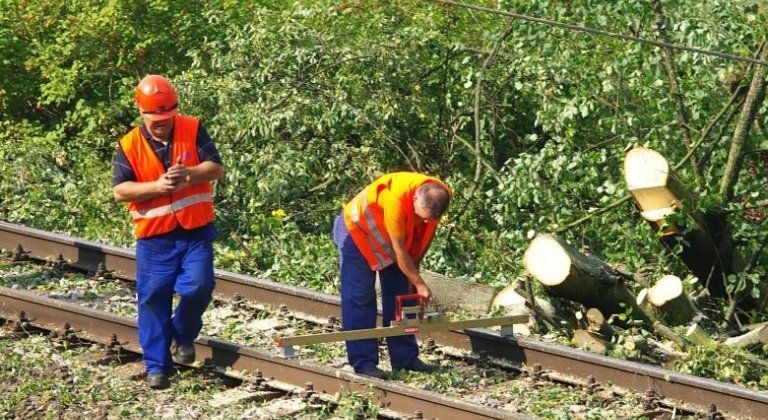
x=669, y=299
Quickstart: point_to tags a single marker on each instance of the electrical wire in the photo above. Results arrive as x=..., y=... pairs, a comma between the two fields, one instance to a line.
x=602, y=32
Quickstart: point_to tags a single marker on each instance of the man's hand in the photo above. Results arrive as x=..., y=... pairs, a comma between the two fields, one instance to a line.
x=424, y=291
x=178, y=173
x=165, y=185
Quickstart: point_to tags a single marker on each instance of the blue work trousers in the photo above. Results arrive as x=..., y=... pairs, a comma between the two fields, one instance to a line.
x=358, y=304
x=180, y=262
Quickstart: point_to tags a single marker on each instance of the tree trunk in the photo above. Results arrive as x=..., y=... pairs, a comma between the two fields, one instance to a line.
x=751, y=105
x=707, y=248
x=569, y=274
x=514, y=303
x=451, y=293
x=643, y=303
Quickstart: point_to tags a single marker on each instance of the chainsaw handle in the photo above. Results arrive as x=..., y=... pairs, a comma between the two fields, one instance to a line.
x=399, y=305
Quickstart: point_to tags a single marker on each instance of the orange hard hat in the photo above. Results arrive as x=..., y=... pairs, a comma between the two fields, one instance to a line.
x=156, y=98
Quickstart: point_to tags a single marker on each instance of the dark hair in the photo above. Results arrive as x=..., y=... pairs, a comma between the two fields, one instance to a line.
x=434, y=197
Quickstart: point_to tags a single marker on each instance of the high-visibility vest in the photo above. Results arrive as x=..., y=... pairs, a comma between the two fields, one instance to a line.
x=190, y=207
x=364, y=218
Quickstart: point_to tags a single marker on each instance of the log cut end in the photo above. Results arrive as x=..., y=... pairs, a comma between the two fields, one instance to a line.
x=642, y=297
x=547, y=261
x=646, y=173
x=645, y=168
x=667, y=288
x=508, y=298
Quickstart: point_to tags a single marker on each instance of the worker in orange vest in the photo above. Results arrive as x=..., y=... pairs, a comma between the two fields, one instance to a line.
x=163, y=170
x=387, y=228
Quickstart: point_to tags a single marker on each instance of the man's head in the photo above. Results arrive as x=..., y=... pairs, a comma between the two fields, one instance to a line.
x=158, y=104
x=430, y=201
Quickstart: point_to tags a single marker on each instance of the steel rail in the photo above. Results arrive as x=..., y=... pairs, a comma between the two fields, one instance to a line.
x=730, y=399
x=97, y=325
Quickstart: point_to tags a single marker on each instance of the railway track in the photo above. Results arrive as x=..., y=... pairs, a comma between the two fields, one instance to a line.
x=558, y=360
x=52, y=314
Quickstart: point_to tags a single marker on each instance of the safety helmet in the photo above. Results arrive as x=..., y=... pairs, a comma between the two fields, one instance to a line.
x=156, y=98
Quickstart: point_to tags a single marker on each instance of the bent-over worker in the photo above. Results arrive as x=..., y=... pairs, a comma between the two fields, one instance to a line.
x=387, y=228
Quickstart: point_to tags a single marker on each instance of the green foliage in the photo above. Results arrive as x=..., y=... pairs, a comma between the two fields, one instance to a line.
x=349, y=404
x=724, y=364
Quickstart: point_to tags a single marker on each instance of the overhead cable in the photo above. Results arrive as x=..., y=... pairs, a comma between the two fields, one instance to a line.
x=602, y=32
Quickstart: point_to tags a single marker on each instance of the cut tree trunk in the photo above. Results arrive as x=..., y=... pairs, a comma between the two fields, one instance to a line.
x=590, y=341
x=569, y=274
x=707, y=247
x=453, y=294
x=643, y=303
x=597, y=323
x=514, y=303
x=671, y=301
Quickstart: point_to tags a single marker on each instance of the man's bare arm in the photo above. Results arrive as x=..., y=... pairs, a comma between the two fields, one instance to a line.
x=204, y=172
x=408, y=267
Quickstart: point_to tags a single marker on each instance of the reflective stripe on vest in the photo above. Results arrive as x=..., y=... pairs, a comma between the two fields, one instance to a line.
x=388, y=257
x=173, y=207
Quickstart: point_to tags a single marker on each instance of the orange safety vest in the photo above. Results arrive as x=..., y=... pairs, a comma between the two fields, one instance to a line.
x=191, y=207
x=364, y=218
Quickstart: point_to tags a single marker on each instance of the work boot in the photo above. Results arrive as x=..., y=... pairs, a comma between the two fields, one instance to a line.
x=419, y=366
x=373, y=371
x=158, y=381
x=184, y=354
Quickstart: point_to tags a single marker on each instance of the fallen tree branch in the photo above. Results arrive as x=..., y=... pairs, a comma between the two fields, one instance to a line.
x=757, y=336
x=605, y=209
x=670, y=335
